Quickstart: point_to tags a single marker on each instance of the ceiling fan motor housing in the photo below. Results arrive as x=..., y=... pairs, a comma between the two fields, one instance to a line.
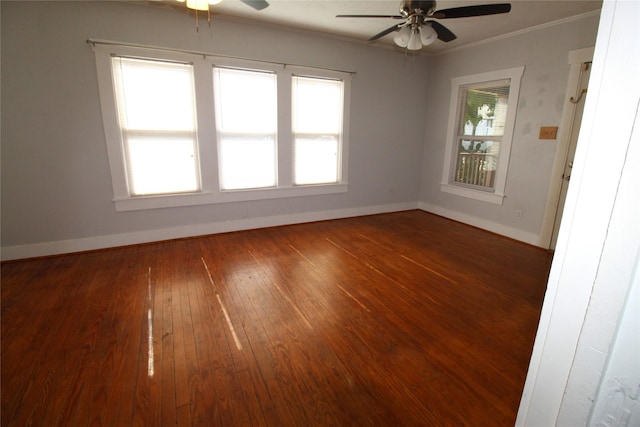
x=408, y=8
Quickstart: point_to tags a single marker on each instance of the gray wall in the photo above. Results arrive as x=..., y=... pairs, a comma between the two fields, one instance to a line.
x=544, y=53
x=56, y=182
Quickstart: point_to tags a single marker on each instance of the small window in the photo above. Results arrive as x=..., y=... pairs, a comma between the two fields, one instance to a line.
x=156, y=114
x=317, y=130
x=480, y=131
x=246, y=107
x=482, y=116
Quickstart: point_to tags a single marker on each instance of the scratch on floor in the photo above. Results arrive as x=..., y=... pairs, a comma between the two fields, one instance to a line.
x=354, y=298
x=224, y=310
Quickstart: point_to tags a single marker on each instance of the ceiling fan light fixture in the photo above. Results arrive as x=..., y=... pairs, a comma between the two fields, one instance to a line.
x=427, y=34
x=414, y=40
x=198, y=4
x=402, y=38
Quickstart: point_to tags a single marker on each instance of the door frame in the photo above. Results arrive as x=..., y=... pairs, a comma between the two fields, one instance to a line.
x=576, y=58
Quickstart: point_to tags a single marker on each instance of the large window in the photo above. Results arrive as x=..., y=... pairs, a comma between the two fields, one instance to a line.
x=482, y=115
x=184, y=129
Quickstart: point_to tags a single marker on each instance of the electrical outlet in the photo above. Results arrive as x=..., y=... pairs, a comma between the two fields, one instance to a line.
x=518, y=214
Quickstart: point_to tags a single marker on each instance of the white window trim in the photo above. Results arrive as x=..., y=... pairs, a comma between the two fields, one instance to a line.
x=206, y=133
x=447, y=184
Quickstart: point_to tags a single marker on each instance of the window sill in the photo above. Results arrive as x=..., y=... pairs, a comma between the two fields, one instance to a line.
x=209, y=197
x=473, y=194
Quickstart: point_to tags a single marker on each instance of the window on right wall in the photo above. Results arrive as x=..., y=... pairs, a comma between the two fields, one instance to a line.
x=481, y=121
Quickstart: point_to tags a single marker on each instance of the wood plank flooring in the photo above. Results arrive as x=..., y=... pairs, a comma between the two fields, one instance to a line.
x=393, y=319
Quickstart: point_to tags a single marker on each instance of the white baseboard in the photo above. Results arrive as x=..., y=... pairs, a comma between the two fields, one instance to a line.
x=513, y=233
x=137, y=237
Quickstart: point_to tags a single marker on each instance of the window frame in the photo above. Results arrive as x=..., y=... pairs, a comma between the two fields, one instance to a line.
x=458, y=85
x=207, y=139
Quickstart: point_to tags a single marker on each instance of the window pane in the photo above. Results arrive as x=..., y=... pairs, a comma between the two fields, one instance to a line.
x=247, y=162
x=485, y=110
x=246, y=101
x=155, y=95
x=476, y=162
x=159, y=165
x=317, y=105
x=316, y=160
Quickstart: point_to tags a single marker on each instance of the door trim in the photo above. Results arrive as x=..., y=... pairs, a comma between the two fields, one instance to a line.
x=575, y=59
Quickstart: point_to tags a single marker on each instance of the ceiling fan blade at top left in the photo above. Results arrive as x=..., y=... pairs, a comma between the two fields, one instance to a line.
x=371, y=16
x=256, y=4
x=385, y=32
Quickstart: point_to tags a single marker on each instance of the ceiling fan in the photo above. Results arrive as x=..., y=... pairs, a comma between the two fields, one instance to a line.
x=419, y=29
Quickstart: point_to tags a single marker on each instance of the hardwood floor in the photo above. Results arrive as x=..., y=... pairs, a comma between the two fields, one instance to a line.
x=394, y=319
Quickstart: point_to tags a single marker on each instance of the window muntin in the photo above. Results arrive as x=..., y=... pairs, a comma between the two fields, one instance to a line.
x=156, y=114
x=246, y=118
x=317, y=129
x=482, y=116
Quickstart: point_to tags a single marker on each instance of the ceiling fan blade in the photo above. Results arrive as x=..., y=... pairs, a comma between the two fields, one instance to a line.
x=385, y=32
x=256, y=4
x=467, y=11
x=444, y=33
x=371, y=16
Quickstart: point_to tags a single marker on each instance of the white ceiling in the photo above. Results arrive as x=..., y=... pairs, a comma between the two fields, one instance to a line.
x=320, y=16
